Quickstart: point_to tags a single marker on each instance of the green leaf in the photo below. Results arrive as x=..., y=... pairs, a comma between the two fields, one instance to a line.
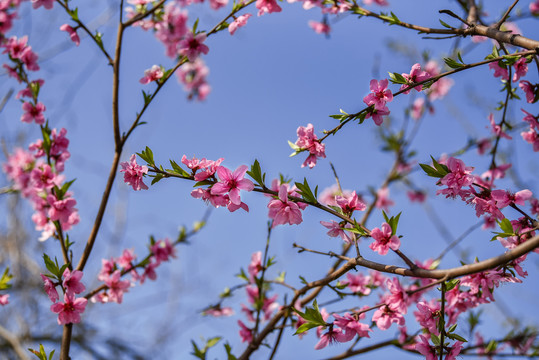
x=74, y=14
x=52, y=266
x=452, y=63
x=451, y=284
x=305, y=191
x=304, y=327
x=195, y=26
x=157, y=178
x=256, y=174
x=242, y=275
x=452, y=328
x=178, y=169
x=506, y=226
x=228, y=349
x=430, y=171
x=456, y=337
x=213, y=341
x=147, y=155
x=147, y=97
x=445, y=24
x=491, y=347
x=397, y=78
x=293, y=146
x=435, y=339
x=6, y=278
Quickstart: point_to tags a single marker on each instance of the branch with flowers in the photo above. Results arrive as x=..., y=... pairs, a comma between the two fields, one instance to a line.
x=278, y=307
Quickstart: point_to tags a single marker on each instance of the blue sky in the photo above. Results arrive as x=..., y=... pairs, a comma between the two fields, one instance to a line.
x=269, y=78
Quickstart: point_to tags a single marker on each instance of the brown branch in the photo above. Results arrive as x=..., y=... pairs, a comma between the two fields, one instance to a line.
x=14, y=342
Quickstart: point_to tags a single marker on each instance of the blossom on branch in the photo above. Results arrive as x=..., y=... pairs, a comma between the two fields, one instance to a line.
x=133, y=173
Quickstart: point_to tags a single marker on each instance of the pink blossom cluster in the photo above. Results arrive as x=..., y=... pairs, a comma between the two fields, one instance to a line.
x=8, y=12
x=531, y=136
x=238, y=22
x=193, y=77
x=416, y=75
x=258, y=302
x=134, y=173
x=40, y=183
x=20, y=53
x=113, y=269
x=384, y=239
x=378, y=98
x=307, y=140
x=283, y=210
x=170, y=27
x=225, y=191
x=72, y=33
x=436, y=91
x=343, y=329
x=486, y=200
x=501, y=70
x=348, y=203
x=70, y=310
x=152, y=74
x=531, y=90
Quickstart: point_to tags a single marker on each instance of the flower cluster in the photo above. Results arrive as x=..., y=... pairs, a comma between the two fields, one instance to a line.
x=281, y=209
x=41, y=183
x=531, y=136
x=113, y=269
x=134, y=173
x=226, y=186
x=378, y=98
x=307, y=140
x=70, y=310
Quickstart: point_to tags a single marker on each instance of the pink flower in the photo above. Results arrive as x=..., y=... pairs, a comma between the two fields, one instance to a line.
x=107, y=268
x=4, y=299
x=307, y=140
x=531, y=137
x=458, y=178
x=330, y=337
x=162, y=250
x=125, y=261
x=349, y=203
x=416, y=75
x=256, y=265
x=219, y=311
x=284, y=211
x=384, y=317
x=483, y=145
x=351, y=325
x=529, y=90
x=426, y=349
x=72, y=282
x=377, y=115
x=416, y=196
x=442, y=86
x=497, y=129
x=72, y=33
x=116, y=287
x=133, y=173
x=382, y=199
x=384, y=240
x=246, y=334
x=521, y=68
x=428, y=315
x=498, y=70
x=15, y=47
x=240, y=21
x=377, y=2
x=534, y=7
x=504, y=198
x=320, y=27
x=380, y=95
x=418, y=108
x=217, y=4
x=192, y=46
x=398, y=298
x=62, y=210
x=33, y=112
x=69, y=311
x=358, y=283
x=267, y=6
x=335, y=230
x=29, y=58
x=153, y=74
x=50, y=288
x=232, y=183
x=47, y=4
x=455, y=350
